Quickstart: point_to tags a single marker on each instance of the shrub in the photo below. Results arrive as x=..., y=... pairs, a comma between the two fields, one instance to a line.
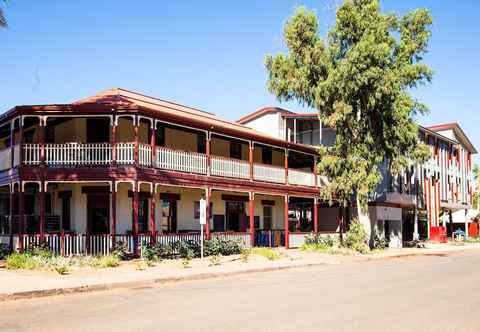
x=222, y=247
x=108, y=261
x=61, y=269
x=18, y=261
x=355, y=238
x=120, y=250
x=245, y=255
x=380, y=242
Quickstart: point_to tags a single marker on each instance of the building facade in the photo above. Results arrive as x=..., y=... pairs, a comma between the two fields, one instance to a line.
x=425, y=201
x=124, y=167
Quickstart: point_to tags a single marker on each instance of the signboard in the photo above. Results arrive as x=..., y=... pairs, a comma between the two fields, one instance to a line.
x=203, y=212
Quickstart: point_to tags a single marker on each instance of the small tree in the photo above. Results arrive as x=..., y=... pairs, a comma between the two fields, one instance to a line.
x=3, y=21
x=476, y=195
x=358, y=79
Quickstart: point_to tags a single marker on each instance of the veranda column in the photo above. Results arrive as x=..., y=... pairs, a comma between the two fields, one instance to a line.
x=153, y=227
x=135, y=137
x=250, y=159
x=41, y=138
x=10, y=217
x=251, y=217
x=114, y=213
x=207, y=152
x=42, y=209
x=286, y=221
x=207, y=203
x=315, y=160
x=286, y=166
x=153, y=145
x=12, y=142
x=21, y=213
x=135, y=218
x=113, y=143
x=315, y=215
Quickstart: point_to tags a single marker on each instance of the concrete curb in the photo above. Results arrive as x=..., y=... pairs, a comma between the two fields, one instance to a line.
x=200, y=276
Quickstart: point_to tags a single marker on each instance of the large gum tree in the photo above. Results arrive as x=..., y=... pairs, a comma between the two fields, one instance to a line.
x=359, y=78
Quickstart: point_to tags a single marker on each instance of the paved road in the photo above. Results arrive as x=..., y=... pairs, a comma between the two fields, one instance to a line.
x=436, y=293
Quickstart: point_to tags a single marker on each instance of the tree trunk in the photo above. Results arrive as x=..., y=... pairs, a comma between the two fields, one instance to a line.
x=364, y=219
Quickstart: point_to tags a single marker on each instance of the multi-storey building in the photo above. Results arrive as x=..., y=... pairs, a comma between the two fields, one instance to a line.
x=121, y=166
x=416, y=204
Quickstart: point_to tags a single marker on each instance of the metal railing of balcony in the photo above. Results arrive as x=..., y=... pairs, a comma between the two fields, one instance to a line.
x=268, y=173
x=231, y=168
x=176, y=160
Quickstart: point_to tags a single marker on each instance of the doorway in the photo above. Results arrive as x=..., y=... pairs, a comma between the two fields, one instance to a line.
x=235, y=216
x=98, y=213
x=169, y=215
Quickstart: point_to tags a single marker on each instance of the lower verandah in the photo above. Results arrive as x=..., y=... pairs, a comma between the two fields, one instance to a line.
x=79, y=217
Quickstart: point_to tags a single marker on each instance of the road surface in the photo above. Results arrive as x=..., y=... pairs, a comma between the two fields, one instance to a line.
x=434, y=293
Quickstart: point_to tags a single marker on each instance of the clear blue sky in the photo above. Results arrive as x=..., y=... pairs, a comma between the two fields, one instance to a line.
x=207, y=54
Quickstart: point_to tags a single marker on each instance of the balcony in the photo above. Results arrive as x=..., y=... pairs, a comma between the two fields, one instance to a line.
x=101, y=154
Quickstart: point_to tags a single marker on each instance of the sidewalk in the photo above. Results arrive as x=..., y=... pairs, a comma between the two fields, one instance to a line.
x=28, y=284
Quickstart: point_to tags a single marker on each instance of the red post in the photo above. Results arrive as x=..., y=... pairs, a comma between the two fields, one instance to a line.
x=135, y=218
x=207, y=152
x=12, y=141
x=41, y=138
x=315, y=215
x=152, y=217
x=286, y=221
x=250, y=159
x=207, y=202
x=286, y=166
x=62, y=243
x=113, y=142
x=42, y=210
x=114, y=214
x=251, y=217
x=21, y=214
x=135, y=135
x=153, y=143
x=10, y=219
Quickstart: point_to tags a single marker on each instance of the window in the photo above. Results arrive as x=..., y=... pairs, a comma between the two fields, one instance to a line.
x=267, y=218
x=235, y=150
x=266, y=156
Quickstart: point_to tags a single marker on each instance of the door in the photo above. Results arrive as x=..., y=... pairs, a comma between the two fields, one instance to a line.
x=98, y=214
x=235, y=216
x=169, y=216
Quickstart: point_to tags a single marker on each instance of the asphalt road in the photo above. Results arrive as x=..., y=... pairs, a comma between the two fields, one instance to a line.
x=435, y=293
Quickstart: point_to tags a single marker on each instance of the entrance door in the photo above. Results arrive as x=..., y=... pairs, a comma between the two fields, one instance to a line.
x=98, y=214
x=235, y=216
x=169, y=216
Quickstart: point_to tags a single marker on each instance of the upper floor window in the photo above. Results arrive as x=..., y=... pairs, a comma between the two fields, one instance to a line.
x=201, y=143
x=266, y=156
x=160, y=136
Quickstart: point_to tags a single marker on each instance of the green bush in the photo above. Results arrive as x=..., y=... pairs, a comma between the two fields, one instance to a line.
x=108, y=261
x=120, y=250
x=3, y=250
x=356, y=238
x=217, y=246
x=17, y=261
x=380, y=242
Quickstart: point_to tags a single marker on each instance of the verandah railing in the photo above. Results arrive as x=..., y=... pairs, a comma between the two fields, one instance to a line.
x=268, y=173
x=182, y=161
x=232, y=168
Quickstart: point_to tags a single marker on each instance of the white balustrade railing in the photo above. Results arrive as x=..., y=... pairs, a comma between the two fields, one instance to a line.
x=31, y=154
x=145, y=155
x=71, y=154
x=242, y=238
x=5, y=159
x=268, y=173
x=301, y=178
x=231, y=168
x=190, y=162
x=125, y=153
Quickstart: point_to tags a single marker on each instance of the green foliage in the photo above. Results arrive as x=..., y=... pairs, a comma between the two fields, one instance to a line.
x=359, y=78
x=355, y=238
x=265, y=252
x=17, y=261
x=380, y=242
x=108, y=261
x=327, y=241
x=121, y=251
x=61, y=269
x=217, y=246
x=476, y=195
x=3, y=21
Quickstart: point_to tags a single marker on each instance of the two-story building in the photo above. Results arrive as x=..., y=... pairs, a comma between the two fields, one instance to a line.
x=418, y=203
x=120, y=166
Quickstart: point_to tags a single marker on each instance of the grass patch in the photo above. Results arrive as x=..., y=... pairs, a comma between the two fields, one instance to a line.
x=268, y=253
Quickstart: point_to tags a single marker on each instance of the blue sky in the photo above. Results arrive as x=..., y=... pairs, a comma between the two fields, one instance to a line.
x=207, y=54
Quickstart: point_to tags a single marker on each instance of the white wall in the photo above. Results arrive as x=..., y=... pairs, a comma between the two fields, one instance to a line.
x=270, y=124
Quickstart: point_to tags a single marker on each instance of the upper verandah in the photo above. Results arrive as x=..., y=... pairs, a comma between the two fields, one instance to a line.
x=121, y=101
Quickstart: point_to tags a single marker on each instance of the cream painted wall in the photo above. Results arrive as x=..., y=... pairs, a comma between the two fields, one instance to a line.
x=220, y=147
x=124, y=130
x=73, y=130
x=180, y=140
